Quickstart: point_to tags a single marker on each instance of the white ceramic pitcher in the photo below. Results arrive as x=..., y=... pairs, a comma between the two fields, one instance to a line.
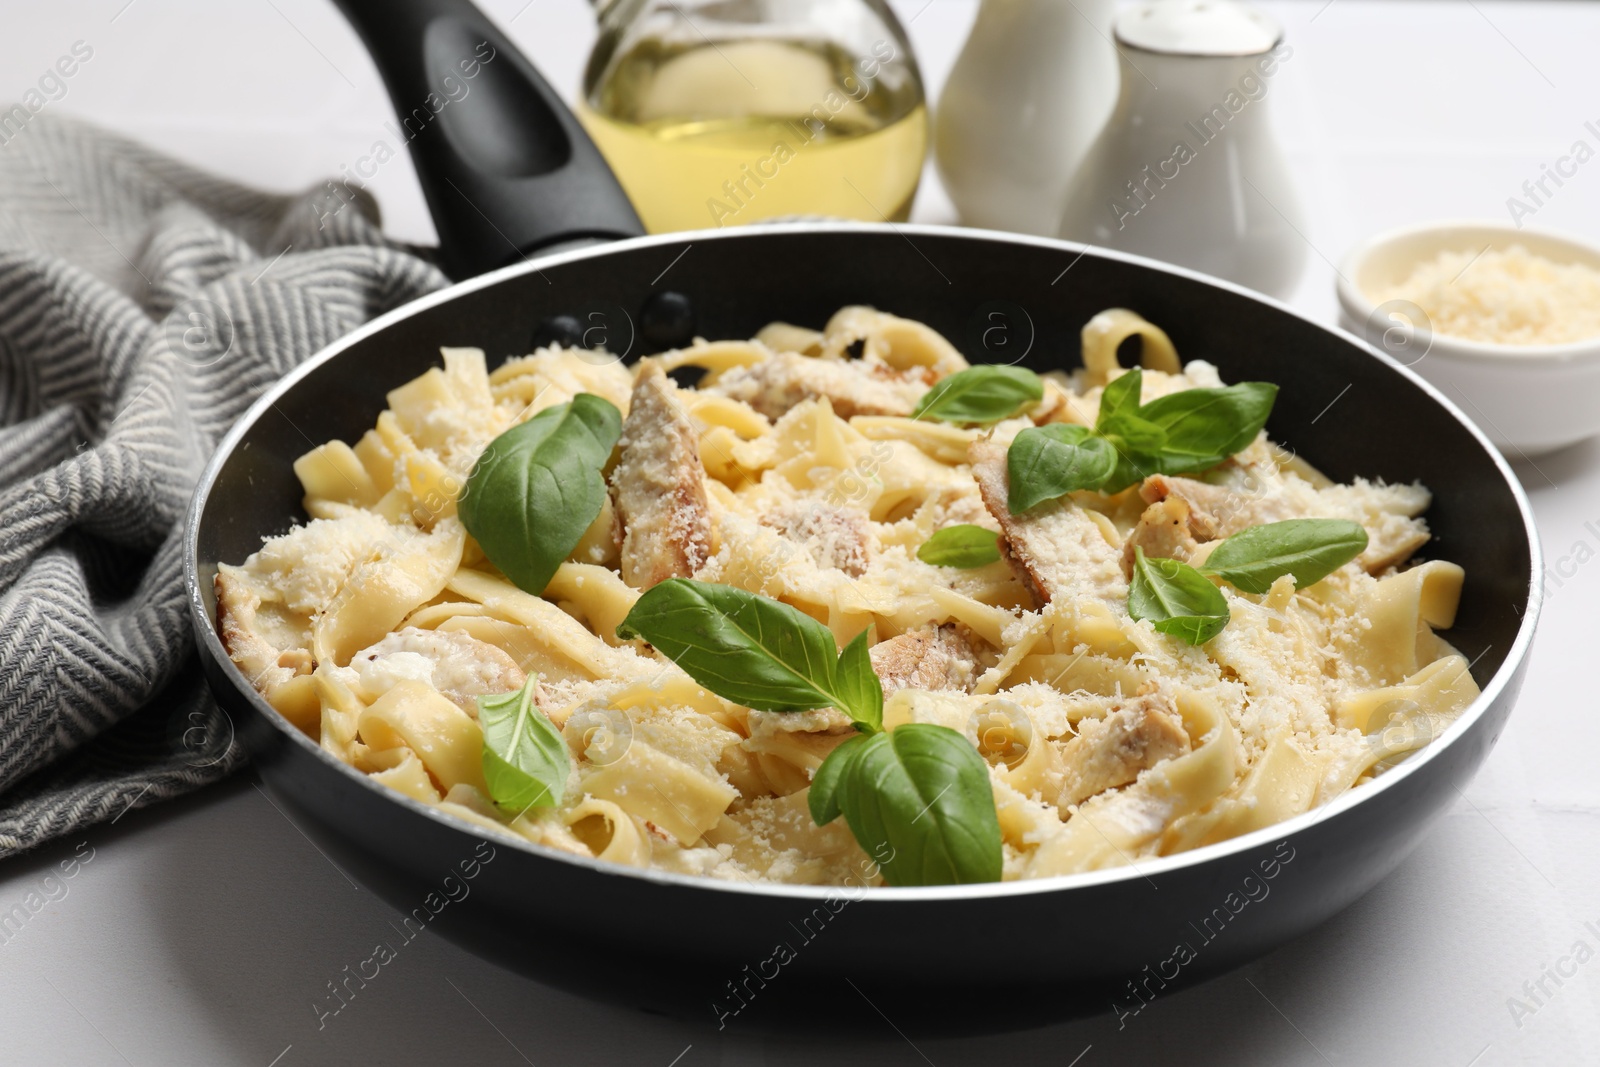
x=1026, y=97
x=1187, y=169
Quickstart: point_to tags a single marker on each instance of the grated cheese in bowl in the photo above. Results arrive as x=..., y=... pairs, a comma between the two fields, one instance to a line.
x=1510, y=297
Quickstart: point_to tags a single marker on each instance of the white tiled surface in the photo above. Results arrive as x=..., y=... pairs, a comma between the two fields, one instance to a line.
x=201, y=933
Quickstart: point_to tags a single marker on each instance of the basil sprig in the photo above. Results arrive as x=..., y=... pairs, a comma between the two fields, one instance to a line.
x=755, y=651
x=1182, y=601
x=525, y=759
x=1177, y=599
x=917, y=799
x=1180, y=433
x=538, y=486
x=963, y=546
x=1309, y=549
x=982, y=394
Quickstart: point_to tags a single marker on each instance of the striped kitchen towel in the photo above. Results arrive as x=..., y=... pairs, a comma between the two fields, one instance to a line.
x=143, y=306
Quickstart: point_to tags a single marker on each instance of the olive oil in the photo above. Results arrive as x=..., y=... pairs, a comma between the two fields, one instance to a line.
x=709, y=135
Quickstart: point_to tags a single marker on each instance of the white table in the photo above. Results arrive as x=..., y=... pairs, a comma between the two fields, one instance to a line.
x=201, y=932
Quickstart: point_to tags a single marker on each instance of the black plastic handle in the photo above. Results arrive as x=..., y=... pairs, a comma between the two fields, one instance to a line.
x=506, y=168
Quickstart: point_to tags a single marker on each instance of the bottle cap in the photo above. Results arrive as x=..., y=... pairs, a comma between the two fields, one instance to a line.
x=1197, y=28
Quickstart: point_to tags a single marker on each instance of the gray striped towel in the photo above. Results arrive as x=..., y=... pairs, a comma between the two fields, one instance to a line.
x=143, y=306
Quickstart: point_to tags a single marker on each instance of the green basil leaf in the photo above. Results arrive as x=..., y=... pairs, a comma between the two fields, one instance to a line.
x=1193, y=629
x=963, y=546
x=538, y=486
x=823, y=799
x=1135, y=435
x=1130, y=470
x=1119, y=398
x=918, y=800
x=1309, y=549
x=1139, y=444
x=985, y=393
x=525, y=759
x=1176, y=598
x=859, y=685
x=753, y=650
x=1203, y=427
x=1046, y=462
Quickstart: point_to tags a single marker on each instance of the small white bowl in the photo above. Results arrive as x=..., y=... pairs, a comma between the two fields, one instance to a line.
x=1528, y=398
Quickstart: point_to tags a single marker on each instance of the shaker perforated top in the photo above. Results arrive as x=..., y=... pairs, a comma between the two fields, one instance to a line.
x=1198, y=28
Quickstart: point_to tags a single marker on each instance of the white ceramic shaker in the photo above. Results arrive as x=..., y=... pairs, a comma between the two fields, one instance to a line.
x=1187, y=169
x=1026, y=97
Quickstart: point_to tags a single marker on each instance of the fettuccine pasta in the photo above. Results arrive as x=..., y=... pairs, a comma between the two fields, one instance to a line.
x=795, y=469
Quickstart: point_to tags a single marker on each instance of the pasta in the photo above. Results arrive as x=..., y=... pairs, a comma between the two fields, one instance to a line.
x=795, y=469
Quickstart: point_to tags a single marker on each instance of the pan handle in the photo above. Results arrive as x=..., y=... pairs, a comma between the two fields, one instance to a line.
x=505, y=167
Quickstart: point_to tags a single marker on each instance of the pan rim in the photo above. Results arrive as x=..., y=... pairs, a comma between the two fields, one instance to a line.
x=205, y=628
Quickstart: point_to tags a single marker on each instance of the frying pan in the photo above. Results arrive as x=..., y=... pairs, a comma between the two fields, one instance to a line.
x=509, y=174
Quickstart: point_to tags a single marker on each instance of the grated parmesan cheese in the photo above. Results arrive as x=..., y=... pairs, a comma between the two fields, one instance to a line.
x=1510, y=297
x=1132, y=743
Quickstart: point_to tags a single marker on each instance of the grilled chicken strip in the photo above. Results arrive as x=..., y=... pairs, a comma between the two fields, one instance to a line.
x=1056, y=549
x=659, y=486
x=930, y=658
x=1112, y=751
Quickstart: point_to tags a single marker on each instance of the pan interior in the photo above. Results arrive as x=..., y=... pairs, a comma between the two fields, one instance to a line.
x=1341, y=408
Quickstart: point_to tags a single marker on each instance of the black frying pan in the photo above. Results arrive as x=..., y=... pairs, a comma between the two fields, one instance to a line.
x=955, y=959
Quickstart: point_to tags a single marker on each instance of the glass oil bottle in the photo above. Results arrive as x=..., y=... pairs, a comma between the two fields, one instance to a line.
x=726, y=112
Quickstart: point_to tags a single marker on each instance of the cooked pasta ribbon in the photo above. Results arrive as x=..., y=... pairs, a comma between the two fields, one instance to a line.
x=796, y=470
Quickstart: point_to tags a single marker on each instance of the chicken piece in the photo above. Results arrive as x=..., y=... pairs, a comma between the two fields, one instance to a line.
x=456, y=664
x=1112, y=751
x=1391, y=515
x=929, y=658
x=659, y=486
x=1163, y=531
x=1389, y=512
x=266, y=654
x=1210, y=508
x=835, y=537
x=1055, y=549
x=854, y=387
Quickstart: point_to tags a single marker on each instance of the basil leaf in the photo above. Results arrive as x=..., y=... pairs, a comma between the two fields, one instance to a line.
x=963, y=546
x=1309, y=549
x=1120, y=398
x=1135, y=435
x=525, y=759
x=1138, y=443
x=859, y=685
x=1045, y=462
x=823, y=799
x=1203, y=427
x=1177, y=599
x=1186, y=431
x=538, y=486
x=985, y=393
x=918, y=799
x=755, y=651
x=1130, y=470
